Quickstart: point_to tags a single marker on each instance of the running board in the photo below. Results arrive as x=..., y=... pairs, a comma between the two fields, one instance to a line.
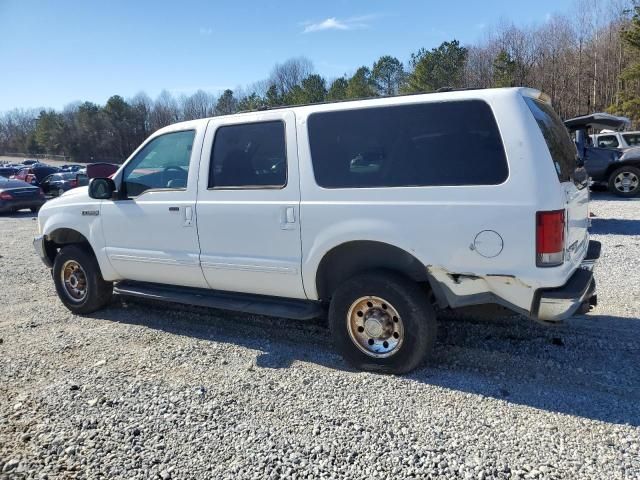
x=237, y=302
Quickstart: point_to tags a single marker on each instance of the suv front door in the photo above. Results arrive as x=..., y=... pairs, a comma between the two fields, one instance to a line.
x=249, y=204
x=151, y=235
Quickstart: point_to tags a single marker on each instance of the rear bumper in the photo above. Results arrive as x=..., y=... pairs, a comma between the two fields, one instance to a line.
x=555, y=304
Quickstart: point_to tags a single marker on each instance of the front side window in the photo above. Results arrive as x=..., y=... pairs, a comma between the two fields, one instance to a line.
x=163, y=163
x=607, y=141
x=429, y=144
x=249, y=155
x=632, y=139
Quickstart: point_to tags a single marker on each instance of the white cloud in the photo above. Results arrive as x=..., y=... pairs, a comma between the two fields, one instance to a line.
x=333, y=23
x=205, y=32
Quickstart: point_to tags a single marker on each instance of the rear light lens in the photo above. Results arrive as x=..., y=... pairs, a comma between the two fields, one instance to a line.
x=550, y=238
x=6, y=196
x=73, y=183
x=41, y=192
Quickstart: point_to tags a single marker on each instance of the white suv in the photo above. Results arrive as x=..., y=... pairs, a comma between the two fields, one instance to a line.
x=375, y=212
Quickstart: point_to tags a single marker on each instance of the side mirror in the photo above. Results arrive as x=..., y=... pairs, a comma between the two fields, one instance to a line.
x=101, y=188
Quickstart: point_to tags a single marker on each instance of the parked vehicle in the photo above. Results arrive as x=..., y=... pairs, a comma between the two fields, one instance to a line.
x=613, y=139
x=18, y=195
x=70, y=168
x=29, y=161
x=617, y=169
x=6, y=171
x=34, y=174
x=58, y=183
x=372, y=212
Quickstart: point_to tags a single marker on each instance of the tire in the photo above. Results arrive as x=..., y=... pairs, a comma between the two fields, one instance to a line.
x=632, y=176
x=60, y=192
x=34, y=209
x=381, y=296
x=97, y=292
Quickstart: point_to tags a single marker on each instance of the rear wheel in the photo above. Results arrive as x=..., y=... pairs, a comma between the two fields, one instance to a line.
x=625, y=181
x=78, y=280
x=60, y=192
x=382, y=322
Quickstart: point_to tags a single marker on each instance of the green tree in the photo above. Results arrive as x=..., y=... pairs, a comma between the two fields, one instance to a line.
x=627, y=102
x=49, y=133
x=273, y=98
x=314, y=89
x=338, y=89
x=504, y=70
x=436, y=68
x=388, y=75
x=361, y=85
x=251, y=102
x=227, y=103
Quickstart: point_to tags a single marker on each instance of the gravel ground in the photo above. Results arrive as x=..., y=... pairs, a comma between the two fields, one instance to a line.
x=155, y=391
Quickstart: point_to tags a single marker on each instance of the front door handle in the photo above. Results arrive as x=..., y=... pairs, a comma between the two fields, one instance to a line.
x=288, y=218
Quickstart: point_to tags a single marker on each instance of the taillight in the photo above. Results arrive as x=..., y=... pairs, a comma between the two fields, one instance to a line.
x=550, y=238
x=41, y=192
x=73, y=183
x=6, y=196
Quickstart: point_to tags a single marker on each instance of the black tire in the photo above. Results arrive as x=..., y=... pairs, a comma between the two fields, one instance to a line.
x=412, y=305
x=98, y=292
x=628, y=170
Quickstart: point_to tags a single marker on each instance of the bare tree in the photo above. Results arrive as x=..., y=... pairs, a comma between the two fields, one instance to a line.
x=285, y=76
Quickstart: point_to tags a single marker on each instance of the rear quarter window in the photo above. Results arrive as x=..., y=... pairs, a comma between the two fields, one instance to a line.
x=429, y=144
x=561, y=147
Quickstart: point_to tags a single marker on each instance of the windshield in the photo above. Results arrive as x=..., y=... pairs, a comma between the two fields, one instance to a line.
x=562, y=149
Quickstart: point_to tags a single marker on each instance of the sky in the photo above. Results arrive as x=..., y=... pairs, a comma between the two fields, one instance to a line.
x=56, y=52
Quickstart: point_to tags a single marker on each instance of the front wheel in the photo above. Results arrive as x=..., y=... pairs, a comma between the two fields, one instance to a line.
x=382, y=322
x=78, y=280
x=625, y=181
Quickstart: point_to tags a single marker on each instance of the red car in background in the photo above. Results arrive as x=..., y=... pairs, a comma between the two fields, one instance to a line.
x=34, y=174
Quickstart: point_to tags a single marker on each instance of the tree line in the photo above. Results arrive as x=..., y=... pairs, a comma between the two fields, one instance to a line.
x=586, y=61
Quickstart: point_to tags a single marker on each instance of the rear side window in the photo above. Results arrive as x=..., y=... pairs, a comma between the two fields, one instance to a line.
x=607, y=141
x=561, y=147
x=632, y=139
x=429, y=144
x=250, y=155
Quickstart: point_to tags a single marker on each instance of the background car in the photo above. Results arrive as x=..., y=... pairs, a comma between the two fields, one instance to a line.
x=6, y=171
x=58, y=183
x=29, y=161
x=70, y=168
x=34, y=174
x=616, y=168
x=17, y=195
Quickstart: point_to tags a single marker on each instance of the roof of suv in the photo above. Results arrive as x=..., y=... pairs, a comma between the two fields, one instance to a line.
x=442, y=95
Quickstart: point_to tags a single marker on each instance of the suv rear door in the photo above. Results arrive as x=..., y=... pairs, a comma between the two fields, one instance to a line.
x=249, y=205
x=573, y=178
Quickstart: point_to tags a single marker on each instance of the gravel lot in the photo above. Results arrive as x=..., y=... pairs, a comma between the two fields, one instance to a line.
x=155, y=391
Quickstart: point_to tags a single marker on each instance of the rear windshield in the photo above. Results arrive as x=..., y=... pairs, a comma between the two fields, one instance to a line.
x=429, y=144
x=561, y=147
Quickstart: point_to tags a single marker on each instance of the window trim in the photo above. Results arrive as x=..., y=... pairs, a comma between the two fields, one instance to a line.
x=123, y=187
x=386, y=187
x=608, y=135
x=211, y=176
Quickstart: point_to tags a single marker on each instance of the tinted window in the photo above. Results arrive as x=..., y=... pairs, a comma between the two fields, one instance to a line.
x=562, y=149
x=632, y=139
x=249, y=155
x=446, y=143
x=163, y=163
x=607, y=141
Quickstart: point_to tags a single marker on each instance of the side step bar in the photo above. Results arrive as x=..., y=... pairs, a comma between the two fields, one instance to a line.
x=237, y=302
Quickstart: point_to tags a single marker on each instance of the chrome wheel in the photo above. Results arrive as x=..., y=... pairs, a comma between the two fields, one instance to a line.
x=626, y=182
x=74, y=281
x=375, y=327
x=60, y=192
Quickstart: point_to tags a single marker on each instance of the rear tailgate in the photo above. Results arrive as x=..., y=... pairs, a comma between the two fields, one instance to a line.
x=572, y=178
x=577, y=223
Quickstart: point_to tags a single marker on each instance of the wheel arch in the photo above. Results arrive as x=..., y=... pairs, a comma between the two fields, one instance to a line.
x=350, y=258
x=617, y=165
x=62, y=236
